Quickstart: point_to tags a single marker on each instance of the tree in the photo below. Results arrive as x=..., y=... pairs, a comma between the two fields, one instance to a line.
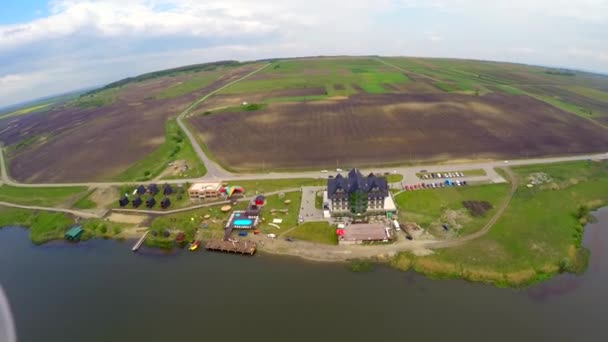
x=358, y=202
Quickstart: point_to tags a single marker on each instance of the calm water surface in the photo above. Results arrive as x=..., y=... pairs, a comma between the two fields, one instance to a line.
x=101, y=291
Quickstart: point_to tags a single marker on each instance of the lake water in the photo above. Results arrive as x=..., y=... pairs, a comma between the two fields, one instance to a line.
x=101, y=291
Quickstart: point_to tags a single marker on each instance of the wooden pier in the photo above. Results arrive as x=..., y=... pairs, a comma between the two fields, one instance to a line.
x=232, y=246
x=140, y=241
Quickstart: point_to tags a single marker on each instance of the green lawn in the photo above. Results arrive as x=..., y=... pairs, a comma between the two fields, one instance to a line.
x=197, y=81
x=176, y=147
x=319, y=232
x=394, y=178
x=253, y=187
x=40, y=196
x=538, y=236
x=430, y=207
x=366, y=73
x=85, y=202
x=290, y=219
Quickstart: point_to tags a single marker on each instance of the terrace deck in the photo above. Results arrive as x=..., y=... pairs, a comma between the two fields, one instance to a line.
x=228, y=246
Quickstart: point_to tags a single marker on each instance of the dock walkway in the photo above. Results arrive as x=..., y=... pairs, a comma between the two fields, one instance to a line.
x=232, y=246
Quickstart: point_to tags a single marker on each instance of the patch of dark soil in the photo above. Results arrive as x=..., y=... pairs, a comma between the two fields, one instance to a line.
x=477, y=208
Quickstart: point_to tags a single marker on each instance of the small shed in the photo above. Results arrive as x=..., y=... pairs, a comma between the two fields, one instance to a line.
x=165, y=203
x=153, y=189
x=151, y=202
x=74, y=233
x=260, y=200
x=141, y=190
x=167, y=190
x=123, y=201
x=136, y=202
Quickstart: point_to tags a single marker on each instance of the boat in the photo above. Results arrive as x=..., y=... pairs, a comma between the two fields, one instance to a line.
x=194, y=245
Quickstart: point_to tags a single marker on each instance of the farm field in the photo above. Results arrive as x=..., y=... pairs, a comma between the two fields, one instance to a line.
x=93, y=138
x=394, y=128
x=305, y=113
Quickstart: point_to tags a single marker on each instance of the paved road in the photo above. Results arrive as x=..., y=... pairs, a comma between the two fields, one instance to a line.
x=214, y=171
x=408, y=172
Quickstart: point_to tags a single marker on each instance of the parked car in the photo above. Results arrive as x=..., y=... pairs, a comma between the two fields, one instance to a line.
x=339, y=170
x=324, y=171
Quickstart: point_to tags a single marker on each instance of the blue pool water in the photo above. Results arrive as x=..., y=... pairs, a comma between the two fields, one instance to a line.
x=242, y=222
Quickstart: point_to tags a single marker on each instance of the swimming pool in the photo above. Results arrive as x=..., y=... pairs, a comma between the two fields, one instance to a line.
x=243, y=222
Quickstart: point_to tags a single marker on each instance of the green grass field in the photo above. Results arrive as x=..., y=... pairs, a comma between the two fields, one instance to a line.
x=253, y=187
x=36, y=108
x=98, y=99
x=198, y=80
x=40, y=196
x=538, y=236
x=84, y=202
x=430, y=208
x=319, y=232
x=176, y=147
x=367, y=73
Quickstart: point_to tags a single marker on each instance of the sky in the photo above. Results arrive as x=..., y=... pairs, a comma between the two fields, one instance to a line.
x=52, y=47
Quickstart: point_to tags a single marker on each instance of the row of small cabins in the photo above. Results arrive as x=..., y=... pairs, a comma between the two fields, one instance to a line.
x=152, y=189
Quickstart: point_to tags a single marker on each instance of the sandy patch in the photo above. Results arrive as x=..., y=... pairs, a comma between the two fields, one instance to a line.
x=104, y=196
x=126, y=218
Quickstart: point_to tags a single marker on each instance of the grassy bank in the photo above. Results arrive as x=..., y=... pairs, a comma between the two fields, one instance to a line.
x=40, y=196
x=538, y=236
x=47, y=226
x=176, y=147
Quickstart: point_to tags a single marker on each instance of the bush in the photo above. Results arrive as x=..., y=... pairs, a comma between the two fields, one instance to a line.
x=360, y=266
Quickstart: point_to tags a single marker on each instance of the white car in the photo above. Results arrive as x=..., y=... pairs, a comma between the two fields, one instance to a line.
x=506, y=162
x=339, y=170
x=394, y=171
x=324, y=171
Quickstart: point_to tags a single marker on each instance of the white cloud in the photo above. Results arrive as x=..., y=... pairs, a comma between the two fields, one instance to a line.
x=83, y=43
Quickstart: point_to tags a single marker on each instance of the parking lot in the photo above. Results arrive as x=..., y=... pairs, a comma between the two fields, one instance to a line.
x=308, y=212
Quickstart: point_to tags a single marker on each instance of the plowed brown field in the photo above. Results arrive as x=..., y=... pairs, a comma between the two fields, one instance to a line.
x=96, y=144
x=391, y=128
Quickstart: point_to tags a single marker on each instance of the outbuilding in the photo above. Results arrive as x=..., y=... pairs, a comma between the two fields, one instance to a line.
x=153, y=189
x=123, y=201
x=74, y=233
x=136, y=202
